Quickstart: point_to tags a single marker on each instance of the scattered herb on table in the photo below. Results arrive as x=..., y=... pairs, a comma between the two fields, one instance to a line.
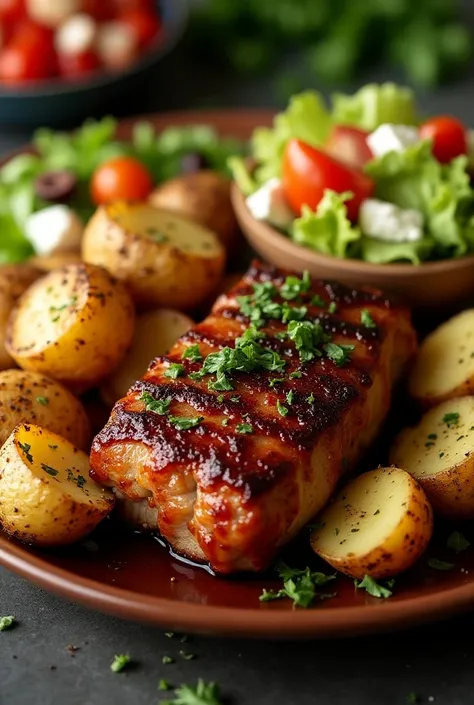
x=164, y=685
x=202, y=694
x=7, y=623
x=436, y=564
x=375, y=588
x=457, y=542
x=413, y=698
x=187, y=656
x=120, y=662
x=167, y=660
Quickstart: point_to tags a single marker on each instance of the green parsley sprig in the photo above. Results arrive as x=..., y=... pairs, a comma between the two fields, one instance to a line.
x=202, y=694
x=299, y=585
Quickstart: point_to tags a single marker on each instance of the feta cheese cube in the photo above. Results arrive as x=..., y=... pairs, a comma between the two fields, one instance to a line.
x=386, y=221
x=54, y=229
x=269, y=203
x=392, y=138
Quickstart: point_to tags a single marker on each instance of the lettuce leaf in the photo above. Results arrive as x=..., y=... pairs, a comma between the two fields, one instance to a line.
x=415, y=179
x=328, y=230
x=380, y=252
x=374, y=105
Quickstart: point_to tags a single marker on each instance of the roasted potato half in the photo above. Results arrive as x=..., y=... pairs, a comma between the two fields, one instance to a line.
x=203, y=196
x=46, y=495
x=29, y=397
x=14, y=280
x=439, y=453
x=155, y=333
x=73, y=325
x=46, y=263
x=379, y=525
x=164, y=259
x=444, y=367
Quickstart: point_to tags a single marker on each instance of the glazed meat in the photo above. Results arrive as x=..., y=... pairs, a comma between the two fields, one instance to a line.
x=230, y=455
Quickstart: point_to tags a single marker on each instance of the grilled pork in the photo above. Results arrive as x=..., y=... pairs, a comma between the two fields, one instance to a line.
x=236, y=438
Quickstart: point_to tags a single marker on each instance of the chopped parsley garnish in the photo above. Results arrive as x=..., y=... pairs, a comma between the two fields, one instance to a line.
x=374, y=588
x=282, y=410
x=7, y=623
x=51, y=471
x=225, y=422
x=259, y=305
x=339, y=354
x=290, y=396
x=235, y=399
x=294, y=287
x=167, y=660
x=159, y=406
x=274, y=381
x=457, y=542
x=310, y=398
x=26, y=447
x=318, y=300
x=292, y=313
x=44, y=401
x=436, y=564
x=451, y=419
x=175, y=370
x=296, y=374
x=182, y=423
x=187, y=656
x=299, y=585
x=244, y=428
x=202, y=694
x=366, y=319
x=120, y=662
x=192, y=353
x=307, y=337
x=220, y=398
x=164, y=685
x=332, y=308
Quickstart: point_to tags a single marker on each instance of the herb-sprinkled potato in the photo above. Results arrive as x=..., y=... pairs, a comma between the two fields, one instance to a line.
x=379, y=525
x=46, y=495
x=165, y=260
x=73, y=325
x=29, y=397
x=14, y=279
x=439, y=453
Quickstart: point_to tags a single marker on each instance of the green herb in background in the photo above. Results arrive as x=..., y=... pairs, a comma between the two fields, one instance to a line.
x=337, y=38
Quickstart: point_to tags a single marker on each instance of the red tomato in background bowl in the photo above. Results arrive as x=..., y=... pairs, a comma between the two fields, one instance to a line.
x=146, y=25
x=12, y=10
x=308, y=171
x=449, y=137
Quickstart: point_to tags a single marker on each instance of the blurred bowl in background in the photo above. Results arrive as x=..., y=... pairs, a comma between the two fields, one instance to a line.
x=64, y=102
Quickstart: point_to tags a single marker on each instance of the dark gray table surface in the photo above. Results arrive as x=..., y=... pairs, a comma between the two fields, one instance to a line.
x=435, y=662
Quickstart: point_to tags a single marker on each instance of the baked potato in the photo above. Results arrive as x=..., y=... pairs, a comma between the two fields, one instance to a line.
x=439, y=453
x=155, y=333
x=14, y=280
x=204, y=197
x=46, y=495
x=46, y=263
x=164, y=259
x=74, y=325
x=444, y=367
x=379, y=525
x=29, y=397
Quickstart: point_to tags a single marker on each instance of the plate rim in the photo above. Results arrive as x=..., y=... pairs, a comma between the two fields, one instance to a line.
x=375, y=617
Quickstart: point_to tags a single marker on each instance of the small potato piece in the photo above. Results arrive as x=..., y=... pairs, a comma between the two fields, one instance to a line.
x=155, y=333
x=46, y=495
x=48, y=262
x=74, y=325
x=164, y=259
x=379, y=525
x=444, y=368
x=29, y=397
x=14, y=279
x=203, y=196
x=439, y=453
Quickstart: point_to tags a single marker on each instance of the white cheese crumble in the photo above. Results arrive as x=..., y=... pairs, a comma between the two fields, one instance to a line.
x=269, y=203
x=392, y=138
x=385, y=221
x=54, y=229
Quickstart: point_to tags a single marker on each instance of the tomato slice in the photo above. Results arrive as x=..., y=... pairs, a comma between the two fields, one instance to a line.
x=349, y=145
x=449, y=137
x=308, y=171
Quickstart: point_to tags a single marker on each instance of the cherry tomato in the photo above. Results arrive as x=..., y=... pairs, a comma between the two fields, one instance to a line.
x=122, y=178
x=12, y=10
x=349, y=145
x=146, y=25
x=125, y=5
x=308, y=171
x=449, y=137
x=21, y=62
x=100, y=10
x=79, y=64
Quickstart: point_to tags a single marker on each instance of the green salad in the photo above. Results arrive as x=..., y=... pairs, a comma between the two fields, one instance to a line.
x=80, y=154
x=364, y=178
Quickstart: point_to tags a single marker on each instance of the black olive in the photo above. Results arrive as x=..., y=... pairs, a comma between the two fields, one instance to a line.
x=56, y=186
x=192, y=162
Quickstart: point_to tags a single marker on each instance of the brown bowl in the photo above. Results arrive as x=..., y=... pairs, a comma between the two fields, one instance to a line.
x=433, y=284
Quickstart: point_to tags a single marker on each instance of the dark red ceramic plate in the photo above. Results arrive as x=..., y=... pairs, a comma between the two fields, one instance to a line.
x=134, y=577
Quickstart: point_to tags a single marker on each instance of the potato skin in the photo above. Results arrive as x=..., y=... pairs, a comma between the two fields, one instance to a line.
x=157, y=275
x=14, y=280
x=46, y=263
x=74, y=325
x=29, y=397
x=44, y=510
x=397, y=551
x=203, y=196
